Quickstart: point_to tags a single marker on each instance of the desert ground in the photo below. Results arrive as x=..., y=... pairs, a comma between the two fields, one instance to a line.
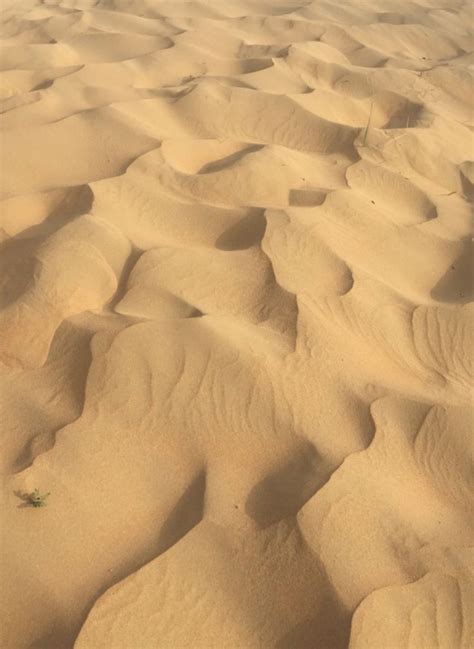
x=236, y=324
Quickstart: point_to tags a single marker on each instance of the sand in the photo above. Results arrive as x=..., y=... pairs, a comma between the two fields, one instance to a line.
x=236, y=324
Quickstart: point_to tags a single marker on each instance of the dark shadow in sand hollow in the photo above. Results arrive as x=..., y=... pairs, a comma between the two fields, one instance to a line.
x=245, y=233
x=282, y=493
x=457, y=284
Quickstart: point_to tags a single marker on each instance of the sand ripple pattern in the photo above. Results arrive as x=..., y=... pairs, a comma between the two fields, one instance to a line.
x=236, y=307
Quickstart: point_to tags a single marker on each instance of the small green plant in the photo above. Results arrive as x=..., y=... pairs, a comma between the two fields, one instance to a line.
x=37, y=499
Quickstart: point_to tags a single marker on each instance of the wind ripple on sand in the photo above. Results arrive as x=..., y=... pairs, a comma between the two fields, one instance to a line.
x=236, y=313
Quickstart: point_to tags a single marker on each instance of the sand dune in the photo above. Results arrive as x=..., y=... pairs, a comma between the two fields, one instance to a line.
x=236, y=306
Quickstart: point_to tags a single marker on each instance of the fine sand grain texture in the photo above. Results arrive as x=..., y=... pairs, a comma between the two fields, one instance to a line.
x=236, y=324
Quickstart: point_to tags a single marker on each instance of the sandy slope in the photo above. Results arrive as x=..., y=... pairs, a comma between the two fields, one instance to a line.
x=236, y=324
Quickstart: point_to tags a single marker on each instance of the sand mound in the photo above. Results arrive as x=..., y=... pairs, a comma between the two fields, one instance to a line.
x=236, y=304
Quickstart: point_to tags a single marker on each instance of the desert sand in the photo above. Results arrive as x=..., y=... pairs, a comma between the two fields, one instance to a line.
x=236, y=324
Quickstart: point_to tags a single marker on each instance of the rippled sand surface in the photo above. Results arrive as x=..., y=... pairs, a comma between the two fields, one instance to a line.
x=236, y=324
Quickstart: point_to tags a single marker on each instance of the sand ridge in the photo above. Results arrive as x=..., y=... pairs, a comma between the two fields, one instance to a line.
x=236, y=303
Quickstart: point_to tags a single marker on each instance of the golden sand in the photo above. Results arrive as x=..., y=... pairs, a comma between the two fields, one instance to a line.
x=236, y=324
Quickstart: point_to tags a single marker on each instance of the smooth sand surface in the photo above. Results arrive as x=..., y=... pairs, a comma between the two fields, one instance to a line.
x=236, y=324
